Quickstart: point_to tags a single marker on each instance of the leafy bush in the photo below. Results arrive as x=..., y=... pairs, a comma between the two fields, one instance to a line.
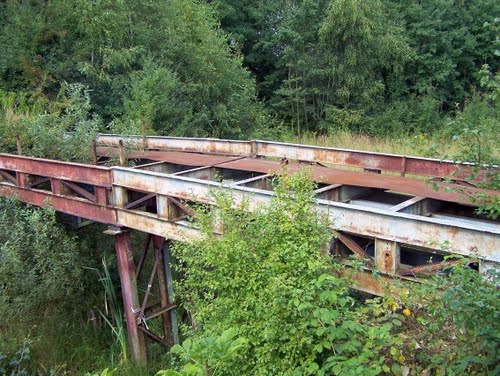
x=454, y=326
x=40, y=262
x=43, y=134
x=267, y=278
x=206, y=355
x=15, y=364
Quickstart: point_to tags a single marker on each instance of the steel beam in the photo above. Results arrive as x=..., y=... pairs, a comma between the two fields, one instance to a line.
x=351, y=179
x=355, y=158
x=463, y=238
x=65, y=204
x=387, y=256
x=159, y=243
x=75, y=172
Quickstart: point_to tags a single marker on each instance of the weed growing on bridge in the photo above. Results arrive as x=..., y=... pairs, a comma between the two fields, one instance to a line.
x=267, y=280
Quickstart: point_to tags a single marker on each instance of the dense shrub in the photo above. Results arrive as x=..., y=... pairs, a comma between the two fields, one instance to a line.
x=40, y=262
x=268, y=280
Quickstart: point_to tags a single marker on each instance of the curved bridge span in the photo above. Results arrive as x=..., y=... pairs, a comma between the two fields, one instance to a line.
x=394, y=212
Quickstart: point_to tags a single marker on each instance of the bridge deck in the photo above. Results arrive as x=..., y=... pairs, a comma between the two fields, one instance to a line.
x=370, y=202
x=385, y=209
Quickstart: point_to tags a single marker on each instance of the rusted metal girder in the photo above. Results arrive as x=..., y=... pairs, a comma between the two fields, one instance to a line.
x=74, y=172
x=429, y=268
x=418, y=187
x=355, y=248
x=65, y=204
x=165, y=299
x=354, y=158
x=463, y=238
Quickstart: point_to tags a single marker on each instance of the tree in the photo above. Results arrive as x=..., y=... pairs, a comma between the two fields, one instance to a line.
x=119, y=48
x=450, y=45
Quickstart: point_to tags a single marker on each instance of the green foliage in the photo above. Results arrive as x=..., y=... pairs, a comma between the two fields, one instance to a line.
x=454, y=325
x=105, y=372
x=40, y=263
x=256, y=269
x=159, y=66
x=267, y=277
x=15, y=365
x=115, y=322
x=43, y=134
x=450, y=45
x=207, y=355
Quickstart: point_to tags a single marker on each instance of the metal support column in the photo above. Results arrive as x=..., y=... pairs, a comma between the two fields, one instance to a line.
x=159, y=243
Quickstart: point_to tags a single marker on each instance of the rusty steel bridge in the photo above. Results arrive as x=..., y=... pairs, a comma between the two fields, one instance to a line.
x=384, y=208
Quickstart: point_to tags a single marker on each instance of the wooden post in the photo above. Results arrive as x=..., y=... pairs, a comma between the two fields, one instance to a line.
x=126, y=268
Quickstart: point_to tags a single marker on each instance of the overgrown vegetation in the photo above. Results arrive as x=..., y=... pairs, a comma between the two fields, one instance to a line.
x=32, y=278
x=264, y=298
x=197, y=67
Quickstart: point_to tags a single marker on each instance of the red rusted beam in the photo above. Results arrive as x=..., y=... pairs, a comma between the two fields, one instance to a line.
x=8, y=177
x=428, y=268
x=140, y=316
x=257, y=148
x=22, y=179
x=153, y=336
x=75, y=172
x=82, y=192
x=125, y=260
x=65, y=204
x=55, y=186
x=417, y=187
x=370, y=160
x=354, y=247
x=101, y=195
x=181, y=158
x=159, y=310
x=38, y=181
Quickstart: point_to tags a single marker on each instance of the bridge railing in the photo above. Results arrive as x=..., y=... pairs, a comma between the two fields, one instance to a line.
x=342, y=157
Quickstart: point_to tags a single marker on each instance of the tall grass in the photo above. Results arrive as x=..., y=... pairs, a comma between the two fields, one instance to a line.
x=113, y=314
x=422, y=145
